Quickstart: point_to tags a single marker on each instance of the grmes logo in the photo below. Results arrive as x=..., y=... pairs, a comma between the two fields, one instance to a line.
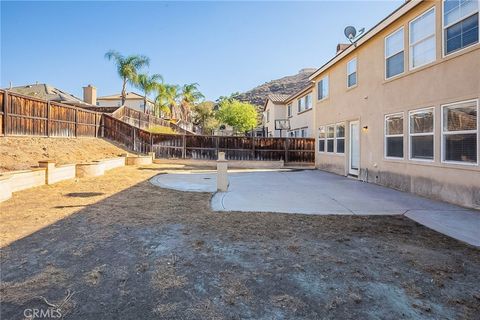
x=51, y=311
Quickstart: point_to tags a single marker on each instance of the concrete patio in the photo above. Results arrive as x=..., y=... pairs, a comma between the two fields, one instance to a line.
x=321, y=193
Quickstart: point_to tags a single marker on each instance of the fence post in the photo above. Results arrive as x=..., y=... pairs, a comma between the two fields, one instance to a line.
x=217, y=143
x=253, y=146
x=48, y=118
x=5, y=113
x=76, y=119
x=133, y=133
x=184, y=143
x=286, y=150
x=151, y=142
x=95, y=114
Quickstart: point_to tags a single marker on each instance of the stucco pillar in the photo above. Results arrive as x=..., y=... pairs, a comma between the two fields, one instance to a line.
x=49, y=166
x=222, y=177
x=152, y=154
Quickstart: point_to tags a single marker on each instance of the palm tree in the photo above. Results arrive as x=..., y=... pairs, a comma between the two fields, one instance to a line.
x=127, y=67
x=161, y=105
x=147, y=84
x=167, y=97
x=189, y=97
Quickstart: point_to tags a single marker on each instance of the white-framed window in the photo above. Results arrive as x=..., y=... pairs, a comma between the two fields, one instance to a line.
x=340, y=138
x=394, y=54
x=394, y=135
x=422, y=39
x=352, y=73
x=322, y=88
x=301, y=104
x=321, y=139
x=330, y=132
x=268, y=115
x=289, y=110
x=460, y=132
x=460, y=24
x=308, y=101
x=421, y=133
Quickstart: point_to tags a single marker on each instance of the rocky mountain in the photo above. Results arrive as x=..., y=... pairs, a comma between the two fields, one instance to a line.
x=285, y=85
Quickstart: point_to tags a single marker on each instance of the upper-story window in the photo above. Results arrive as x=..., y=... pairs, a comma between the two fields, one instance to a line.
x=323, y=88
x=352, y=73
x=394, y=54
x=289, y=110
x=460, y=24
x=308, y=101
x=268, y=115
x=301, y=104
x=422, y=39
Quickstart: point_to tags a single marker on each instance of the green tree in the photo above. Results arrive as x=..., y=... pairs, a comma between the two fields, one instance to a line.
x=242, y=116
x=147, y=84
x=204, y=116
x=127, y=68
x=190, y=96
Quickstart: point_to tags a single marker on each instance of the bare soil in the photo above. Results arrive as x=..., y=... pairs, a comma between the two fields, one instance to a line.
x=20, y=153
x=125, y=249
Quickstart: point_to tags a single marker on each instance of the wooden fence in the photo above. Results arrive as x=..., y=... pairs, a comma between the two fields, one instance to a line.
x=23, y=115
x=188, y=146
x=143, y=120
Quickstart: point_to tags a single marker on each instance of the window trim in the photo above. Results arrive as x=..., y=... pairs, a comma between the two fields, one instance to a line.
x=327, y=138
x=410, y=135
x=444, y=52
x=336, y=138
x=356, y=73
x=442, y=145
x=385, y=136
x=328, y=91
x=411, y=45
x=385, y=53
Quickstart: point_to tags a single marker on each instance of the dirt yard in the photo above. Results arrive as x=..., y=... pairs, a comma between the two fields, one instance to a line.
x=19, y=153
x=117, y=247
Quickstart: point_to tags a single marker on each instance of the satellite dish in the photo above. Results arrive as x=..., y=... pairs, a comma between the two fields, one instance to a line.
x=350, y=32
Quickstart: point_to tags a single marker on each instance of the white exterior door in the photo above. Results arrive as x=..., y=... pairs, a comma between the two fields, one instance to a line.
x=354, y=144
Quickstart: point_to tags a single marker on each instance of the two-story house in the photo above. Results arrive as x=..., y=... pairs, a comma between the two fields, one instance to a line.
x=400, y=106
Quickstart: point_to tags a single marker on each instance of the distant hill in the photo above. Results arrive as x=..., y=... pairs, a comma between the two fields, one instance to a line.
x=285, y=85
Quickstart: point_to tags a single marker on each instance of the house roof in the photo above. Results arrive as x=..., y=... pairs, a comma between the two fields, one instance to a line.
x=46, y=92
x=396, y=14
x=129, y=96
x=275, y=98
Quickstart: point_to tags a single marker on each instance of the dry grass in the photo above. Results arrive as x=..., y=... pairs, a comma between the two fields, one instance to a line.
x=20, y=153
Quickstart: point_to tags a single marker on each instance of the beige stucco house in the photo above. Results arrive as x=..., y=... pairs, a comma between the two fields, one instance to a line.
x=400, y=107
x=133, y=100
x=274, y=109
x=296, y=108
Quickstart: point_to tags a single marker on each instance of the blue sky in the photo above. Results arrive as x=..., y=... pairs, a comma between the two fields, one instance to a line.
x=223, y=46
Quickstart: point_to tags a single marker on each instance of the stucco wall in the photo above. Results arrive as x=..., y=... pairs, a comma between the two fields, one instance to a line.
x=277, y=111
x=303, y=119
x=451, y=79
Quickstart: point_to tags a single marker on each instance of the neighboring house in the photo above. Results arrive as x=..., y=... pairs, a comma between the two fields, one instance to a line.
x=133, y=100
x=400, y=108
x=47, y=92
x=295, y=108
x=299, y=113
x=274, y=109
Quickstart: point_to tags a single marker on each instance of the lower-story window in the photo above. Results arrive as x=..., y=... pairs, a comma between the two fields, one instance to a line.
x=321, y=139
x=340, y=138
x=460, y=132
x=421, y=134
x=330, y=138
x=394, y=136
